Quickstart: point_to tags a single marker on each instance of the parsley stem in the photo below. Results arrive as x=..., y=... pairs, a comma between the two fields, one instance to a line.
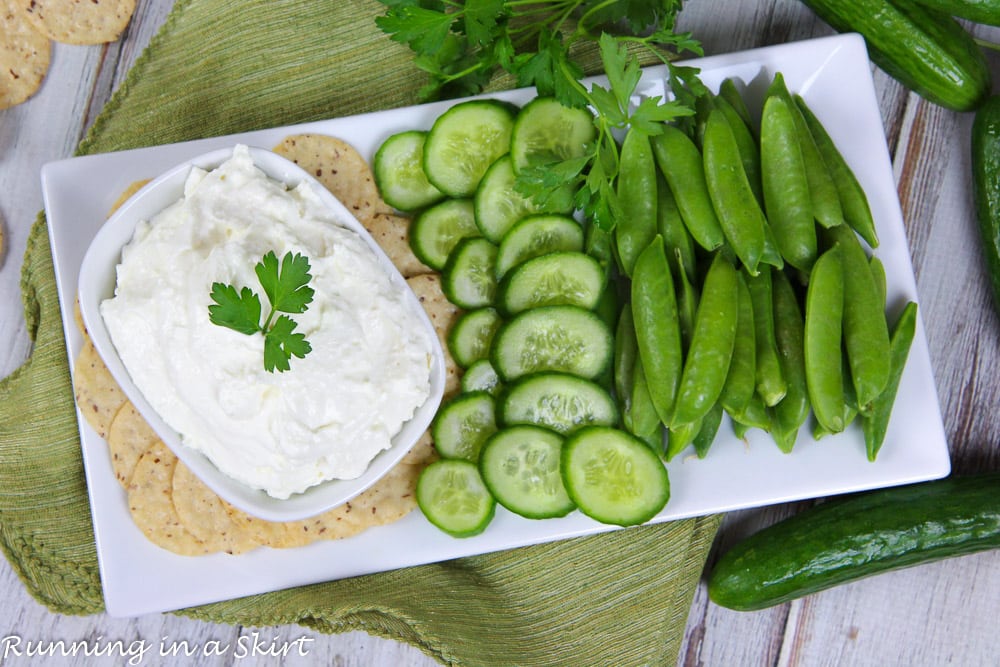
x=267, y=322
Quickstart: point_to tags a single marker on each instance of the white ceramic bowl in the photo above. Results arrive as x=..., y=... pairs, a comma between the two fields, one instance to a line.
x=97, y=283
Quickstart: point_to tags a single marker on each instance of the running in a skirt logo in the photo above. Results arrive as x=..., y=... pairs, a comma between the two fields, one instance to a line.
x=17, y=648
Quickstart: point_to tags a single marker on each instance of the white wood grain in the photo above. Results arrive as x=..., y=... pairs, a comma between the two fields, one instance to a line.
x=942, y=613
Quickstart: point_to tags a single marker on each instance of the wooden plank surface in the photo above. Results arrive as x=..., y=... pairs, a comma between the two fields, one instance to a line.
x=943, y=613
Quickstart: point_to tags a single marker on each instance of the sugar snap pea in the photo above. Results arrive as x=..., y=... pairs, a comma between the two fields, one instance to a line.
x=822, y=348
x=740, y=215
x=878, y=274
x=791, y=412
x=709, y=428
x=711, y=349
x=754, y=415
x=875, y=423
x=658, y=334
x=823, y=195
x=786, y=186
x=637, y=198
x=623, y=362
x=853, y=200
x=729, y=91
x=679, y=437
x=747, y=145
x=676, y=238
x=687, y=307
x=638, y=414
x=681, y=164
x=741, y=381
x=771, y=383
x=866, y=334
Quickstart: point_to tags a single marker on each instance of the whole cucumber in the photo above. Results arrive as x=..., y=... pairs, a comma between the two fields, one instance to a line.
x=856, y=536
x=925, y=50
x=980, y=11
x=986, y=187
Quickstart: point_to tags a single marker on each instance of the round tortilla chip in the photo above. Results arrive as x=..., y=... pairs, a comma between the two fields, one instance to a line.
x=205, y=516
x=129, y=436
x=443, y=314
x=24, y=55
x=392, y=233
x=80, y=21
x=340, y=168
x=97, y=394
x=150, y=501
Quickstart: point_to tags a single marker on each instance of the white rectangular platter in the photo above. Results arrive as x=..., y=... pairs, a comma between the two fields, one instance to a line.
x=833, y=74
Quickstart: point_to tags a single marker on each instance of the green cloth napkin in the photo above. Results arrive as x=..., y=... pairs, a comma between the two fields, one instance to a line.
x=222, y=67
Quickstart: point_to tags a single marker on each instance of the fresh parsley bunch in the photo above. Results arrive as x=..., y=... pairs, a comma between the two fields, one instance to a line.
x=287, y=290
x=461, y=44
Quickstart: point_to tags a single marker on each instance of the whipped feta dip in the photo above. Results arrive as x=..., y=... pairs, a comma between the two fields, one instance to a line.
x=281, y=432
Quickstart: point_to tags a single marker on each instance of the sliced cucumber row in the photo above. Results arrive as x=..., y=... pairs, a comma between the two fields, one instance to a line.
x=534, y=407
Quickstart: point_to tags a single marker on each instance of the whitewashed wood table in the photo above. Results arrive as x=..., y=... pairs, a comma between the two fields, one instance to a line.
x=941, y=613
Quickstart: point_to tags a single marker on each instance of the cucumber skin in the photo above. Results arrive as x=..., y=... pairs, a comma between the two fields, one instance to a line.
x=925, y=50
x=980, y=11
x=986, y=187
x=857, y=536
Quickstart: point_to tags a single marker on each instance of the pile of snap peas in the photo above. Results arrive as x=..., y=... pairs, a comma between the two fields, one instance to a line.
x=753, y=291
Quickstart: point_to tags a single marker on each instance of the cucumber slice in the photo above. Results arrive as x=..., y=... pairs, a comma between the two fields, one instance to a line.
x=462, y=426
x=468, y=278
x=470, y=337
x=452, y=496
x=568, y=339
x=558, y=278
x=546, y=131
x=399, y=172
x=436, y=231
x=464, y=141
x=613, y=477
x=557, y=401
x=520, y=467
x=499, y=205
x=537, y=235
x=481, y=376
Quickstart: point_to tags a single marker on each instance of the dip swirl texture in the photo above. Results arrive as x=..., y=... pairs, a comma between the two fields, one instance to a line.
x=338, y=407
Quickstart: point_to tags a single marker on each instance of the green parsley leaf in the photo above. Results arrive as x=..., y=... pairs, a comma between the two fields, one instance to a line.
x=286, y=287
x=280, y=345
x=239, y=311
x=423, y=30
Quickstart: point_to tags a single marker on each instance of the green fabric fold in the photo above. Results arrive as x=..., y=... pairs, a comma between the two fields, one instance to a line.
x=217, y=68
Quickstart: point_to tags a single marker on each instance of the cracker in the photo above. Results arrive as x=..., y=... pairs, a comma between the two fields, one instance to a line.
x=330, y=525
x=423, y=452
x=78, y=317
x=150, y=501
x=389, y=499
x=129, y=436
x=80, y=21
x=443, y=314
x=24, y=55
x=132, y=188
x=97, y=394
x=392, y=233
x=205, y=515
x=340, y=168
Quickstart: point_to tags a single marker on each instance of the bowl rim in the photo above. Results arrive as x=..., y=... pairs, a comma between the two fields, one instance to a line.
x=97, y=281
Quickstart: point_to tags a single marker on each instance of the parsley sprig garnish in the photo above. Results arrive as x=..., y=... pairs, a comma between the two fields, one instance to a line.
x=287, y=290
x=462, y=44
